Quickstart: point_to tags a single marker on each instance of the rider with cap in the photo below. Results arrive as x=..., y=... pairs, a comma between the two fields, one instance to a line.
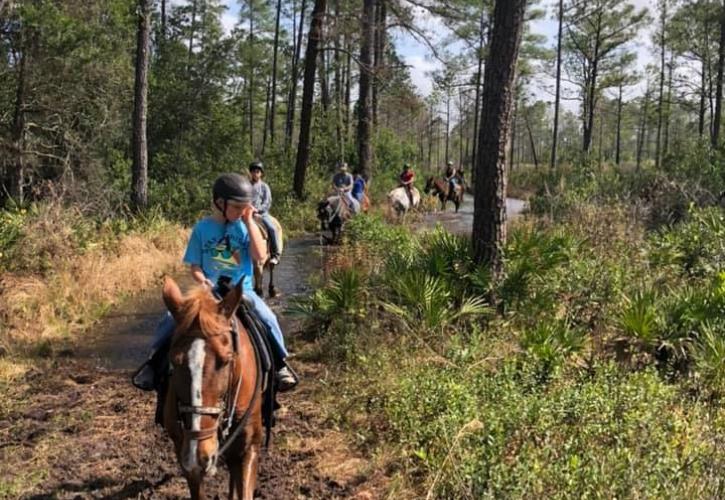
x=262, y=201
x=343, y=183
x=451, y=177
x=221, y=248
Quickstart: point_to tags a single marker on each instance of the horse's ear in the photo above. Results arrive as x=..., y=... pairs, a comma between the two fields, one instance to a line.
x=231, y=301
x=172, y=295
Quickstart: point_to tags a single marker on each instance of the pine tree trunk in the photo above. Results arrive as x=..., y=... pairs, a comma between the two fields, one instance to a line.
x=718, y=91
x=273, y=101
x=308, y=88
x=139, y=182
x=557, y=95
x=324, y=82
x=191, y=35
x=703, y=89
x=531, y=140
x=251, y=79
x=666, y=144
x=292, y=99
x=348, y=90
x=489, y=218
x=660, y=104
x=338, y=85
x=267, y=106
x=461, y=114
x=643, y=127
x=589, y=124
x=619, y=126
x=512, y=154
x=15, y=182
x=364, y=127
x=163, y=21
x=379, y=55
x=477, y=106
x=448, y=122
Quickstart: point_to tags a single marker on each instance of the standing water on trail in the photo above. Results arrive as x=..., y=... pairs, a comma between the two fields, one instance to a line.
x=462, y=222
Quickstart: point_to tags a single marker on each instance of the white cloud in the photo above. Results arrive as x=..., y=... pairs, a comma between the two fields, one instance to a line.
x=229, y=20
x=419, y=68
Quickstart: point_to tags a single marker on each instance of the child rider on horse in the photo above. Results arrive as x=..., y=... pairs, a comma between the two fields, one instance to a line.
x=262, y=201
x=222, y=246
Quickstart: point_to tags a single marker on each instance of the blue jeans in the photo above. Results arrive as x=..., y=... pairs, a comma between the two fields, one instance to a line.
x=272, y=233
x=165, y=328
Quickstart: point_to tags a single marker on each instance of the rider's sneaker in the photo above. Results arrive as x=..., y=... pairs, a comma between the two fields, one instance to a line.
x=274, y=260
x=285, y=380
x=145, y=378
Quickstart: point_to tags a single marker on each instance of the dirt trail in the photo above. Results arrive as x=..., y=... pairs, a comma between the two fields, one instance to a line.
x=84, y=432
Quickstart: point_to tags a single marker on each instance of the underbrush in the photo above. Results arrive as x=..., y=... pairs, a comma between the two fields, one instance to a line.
x=62, y=270
x=603, y=376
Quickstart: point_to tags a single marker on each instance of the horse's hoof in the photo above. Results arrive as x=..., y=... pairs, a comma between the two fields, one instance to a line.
x=259, y=292
x=273, y=293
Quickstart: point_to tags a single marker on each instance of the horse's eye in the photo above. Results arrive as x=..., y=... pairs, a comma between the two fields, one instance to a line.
x=224, y=360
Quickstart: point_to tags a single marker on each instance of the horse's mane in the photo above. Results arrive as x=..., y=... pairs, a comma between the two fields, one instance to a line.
x=200, y=305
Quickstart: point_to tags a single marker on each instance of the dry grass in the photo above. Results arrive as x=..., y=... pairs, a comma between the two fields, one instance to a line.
x=40, y=309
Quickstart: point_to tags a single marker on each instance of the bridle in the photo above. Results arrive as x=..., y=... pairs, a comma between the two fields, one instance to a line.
x=225, y=409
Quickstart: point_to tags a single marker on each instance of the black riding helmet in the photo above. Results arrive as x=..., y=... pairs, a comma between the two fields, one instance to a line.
x=256, y=165
x=232, y=187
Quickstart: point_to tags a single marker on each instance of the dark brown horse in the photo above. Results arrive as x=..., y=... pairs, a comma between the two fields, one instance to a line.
x=213, y=406
x=441, y=187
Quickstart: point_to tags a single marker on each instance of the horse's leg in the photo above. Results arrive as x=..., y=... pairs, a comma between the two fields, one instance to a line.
x=235, y=479
x=196, y=487
x=250, y=464
x=234, y=471
x=258, y=281
x=272, y=290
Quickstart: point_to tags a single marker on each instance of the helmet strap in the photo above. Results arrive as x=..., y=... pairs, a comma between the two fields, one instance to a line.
x=223, y=210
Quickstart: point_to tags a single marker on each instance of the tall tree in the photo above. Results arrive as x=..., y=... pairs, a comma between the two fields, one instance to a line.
x=364, y=117
x=720, y=71
x=308, y=88
x=489, y=217
x=663, y=6
x=598, y=31
x=557, y=92
x=294, y=80
x=139, y=183
x=273, y=97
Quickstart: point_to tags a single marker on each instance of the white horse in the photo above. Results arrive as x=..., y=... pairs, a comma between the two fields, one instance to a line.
x=399, y=201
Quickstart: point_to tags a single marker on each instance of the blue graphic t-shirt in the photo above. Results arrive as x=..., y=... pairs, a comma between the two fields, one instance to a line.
x=221, y=250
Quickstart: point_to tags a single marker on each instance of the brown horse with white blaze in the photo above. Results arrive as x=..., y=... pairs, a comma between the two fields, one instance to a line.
x=214, y=404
